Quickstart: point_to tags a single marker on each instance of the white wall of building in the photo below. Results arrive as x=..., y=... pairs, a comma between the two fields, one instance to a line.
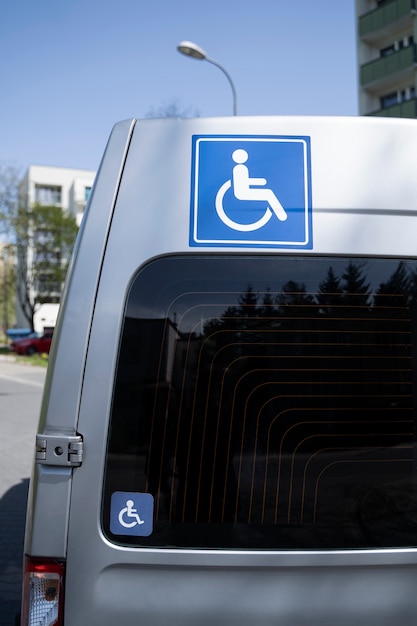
x=72, y=182
x=78, y=195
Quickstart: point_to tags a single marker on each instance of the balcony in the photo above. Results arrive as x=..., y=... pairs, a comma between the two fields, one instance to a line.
x=385, y=16
x=402, y=109
x=396, y=65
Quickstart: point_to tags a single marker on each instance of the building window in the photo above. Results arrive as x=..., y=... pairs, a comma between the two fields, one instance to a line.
x=87, y=192
x=389, y=100
x=405, y=42
x=48, y=195
x=397, y=97
x=385, y=52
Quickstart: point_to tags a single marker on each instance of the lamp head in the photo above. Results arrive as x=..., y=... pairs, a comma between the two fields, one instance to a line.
x=191, y=49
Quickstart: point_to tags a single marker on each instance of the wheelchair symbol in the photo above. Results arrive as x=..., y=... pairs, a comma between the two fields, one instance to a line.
x=131, y=514
x=248, y=189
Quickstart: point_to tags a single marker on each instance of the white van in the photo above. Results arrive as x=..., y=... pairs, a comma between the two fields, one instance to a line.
x=228, y=430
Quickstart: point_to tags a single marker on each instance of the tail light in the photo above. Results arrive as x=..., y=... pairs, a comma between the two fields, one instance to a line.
x=43, y=592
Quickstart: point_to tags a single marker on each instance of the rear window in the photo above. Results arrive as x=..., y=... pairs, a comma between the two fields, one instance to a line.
x=265, y=403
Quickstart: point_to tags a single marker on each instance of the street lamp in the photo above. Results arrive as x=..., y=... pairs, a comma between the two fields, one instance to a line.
x=191, y=49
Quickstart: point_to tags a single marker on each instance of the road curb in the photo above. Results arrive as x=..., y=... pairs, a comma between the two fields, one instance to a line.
x=8, y=358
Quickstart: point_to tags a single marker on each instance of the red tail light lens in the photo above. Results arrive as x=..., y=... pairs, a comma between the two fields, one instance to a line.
x=43, y=592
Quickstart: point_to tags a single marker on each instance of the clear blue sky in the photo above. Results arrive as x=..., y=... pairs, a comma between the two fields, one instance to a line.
x=70, y=69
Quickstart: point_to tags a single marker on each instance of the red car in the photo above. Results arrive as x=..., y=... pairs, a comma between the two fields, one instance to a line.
x=32, y=344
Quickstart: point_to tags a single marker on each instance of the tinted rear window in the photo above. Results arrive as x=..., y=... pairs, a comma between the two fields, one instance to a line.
x=266, y=403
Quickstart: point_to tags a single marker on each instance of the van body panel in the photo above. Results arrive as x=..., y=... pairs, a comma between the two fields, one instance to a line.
x=248, y=595
x=340, y=153
x=50, y=487
x=364, y=205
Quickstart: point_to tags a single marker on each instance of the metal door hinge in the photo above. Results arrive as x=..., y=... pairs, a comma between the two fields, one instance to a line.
x=60, y=450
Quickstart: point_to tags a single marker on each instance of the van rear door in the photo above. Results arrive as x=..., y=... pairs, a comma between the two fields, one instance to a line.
x=248, y=411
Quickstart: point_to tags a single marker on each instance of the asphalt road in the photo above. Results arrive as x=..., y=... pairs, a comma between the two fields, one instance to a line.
x=20, y=399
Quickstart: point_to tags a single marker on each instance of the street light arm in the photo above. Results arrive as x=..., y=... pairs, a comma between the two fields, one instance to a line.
x=213, y=62
x=191, y=49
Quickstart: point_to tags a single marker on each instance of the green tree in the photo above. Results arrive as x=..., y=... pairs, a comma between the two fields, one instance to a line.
x=9, y=191
x=45, y=237
x=7, y=286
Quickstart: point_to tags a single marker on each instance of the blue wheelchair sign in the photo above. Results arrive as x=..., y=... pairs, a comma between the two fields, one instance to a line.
x=131, y=513
x=251, y=191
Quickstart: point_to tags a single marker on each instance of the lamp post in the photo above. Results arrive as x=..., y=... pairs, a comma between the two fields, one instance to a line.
x=191, y=49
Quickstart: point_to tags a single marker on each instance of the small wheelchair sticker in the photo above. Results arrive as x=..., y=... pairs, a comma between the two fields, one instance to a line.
x=251, y=191
x=131, y=513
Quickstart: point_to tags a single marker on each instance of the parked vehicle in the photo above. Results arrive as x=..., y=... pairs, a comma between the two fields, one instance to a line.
x=33, y=343
x=17, y=333
x=228, y=430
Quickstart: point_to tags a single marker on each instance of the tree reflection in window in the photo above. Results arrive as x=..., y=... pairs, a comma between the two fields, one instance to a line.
x=269, y=417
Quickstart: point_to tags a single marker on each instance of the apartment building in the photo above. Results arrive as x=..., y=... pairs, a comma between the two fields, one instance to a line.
x=58, y=186
x=387, y=59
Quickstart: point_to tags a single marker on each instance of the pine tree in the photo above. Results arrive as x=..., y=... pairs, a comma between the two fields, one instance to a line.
x=329, y=293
